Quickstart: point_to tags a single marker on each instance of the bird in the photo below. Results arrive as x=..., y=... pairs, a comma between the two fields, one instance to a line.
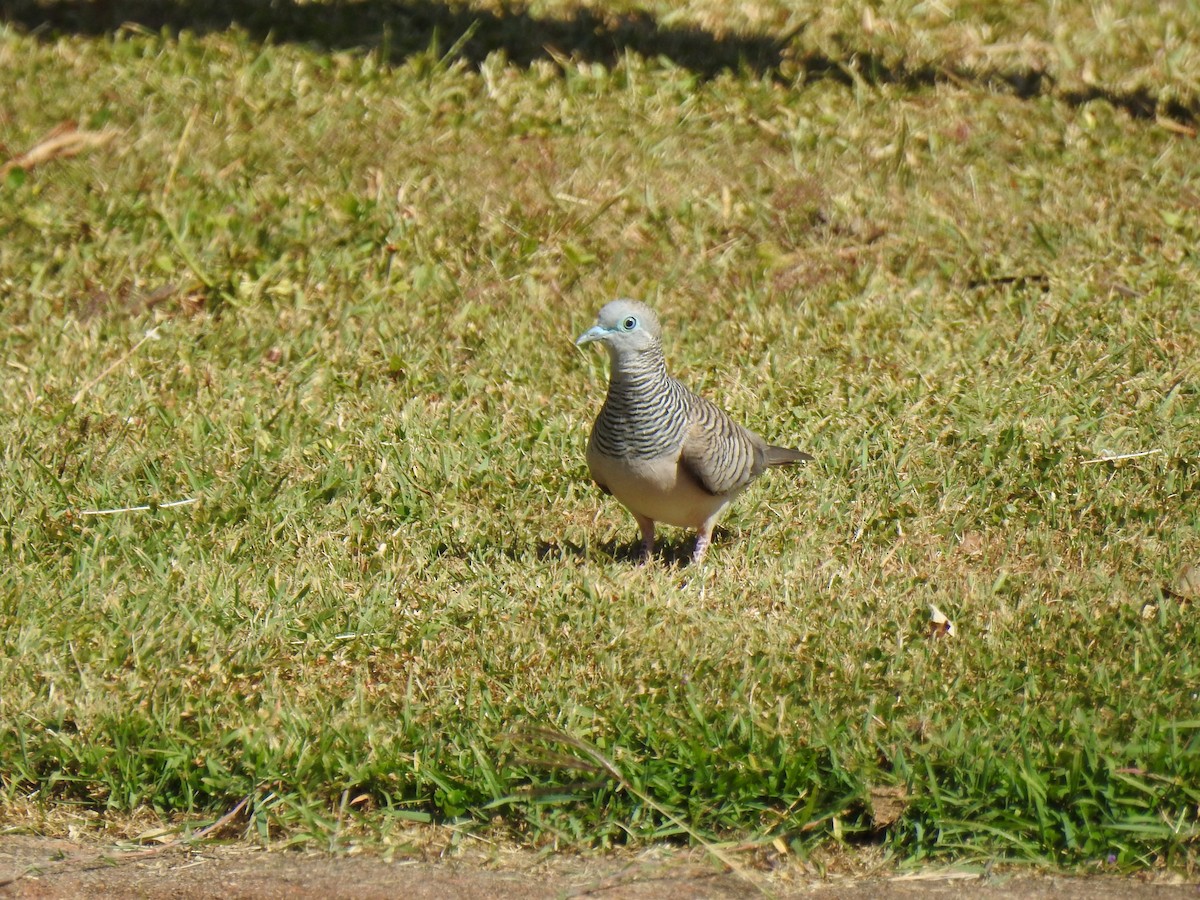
x=667, y=454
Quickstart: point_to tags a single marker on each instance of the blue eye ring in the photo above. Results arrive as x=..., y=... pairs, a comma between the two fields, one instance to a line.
x=629, y=323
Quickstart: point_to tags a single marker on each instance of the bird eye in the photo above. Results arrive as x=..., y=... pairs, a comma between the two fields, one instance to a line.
x=629, y=324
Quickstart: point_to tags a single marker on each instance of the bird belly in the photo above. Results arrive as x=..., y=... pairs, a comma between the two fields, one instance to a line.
x=659, y=489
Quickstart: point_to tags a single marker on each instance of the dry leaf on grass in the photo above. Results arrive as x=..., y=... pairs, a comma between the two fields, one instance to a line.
x=887, y=804
x=1187, y=582
x=64, y=139
x=939, y=625
x=971, y=543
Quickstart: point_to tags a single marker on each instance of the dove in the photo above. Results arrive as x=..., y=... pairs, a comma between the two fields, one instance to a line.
x=667, y=454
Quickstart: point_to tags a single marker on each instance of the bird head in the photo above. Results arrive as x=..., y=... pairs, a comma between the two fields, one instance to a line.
x=624, y=327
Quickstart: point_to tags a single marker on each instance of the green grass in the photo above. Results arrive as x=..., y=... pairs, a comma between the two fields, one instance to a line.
x=952, y=256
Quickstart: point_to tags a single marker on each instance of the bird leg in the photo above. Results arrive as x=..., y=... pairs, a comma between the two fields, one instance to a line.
x=647, y=527
x=703, y=537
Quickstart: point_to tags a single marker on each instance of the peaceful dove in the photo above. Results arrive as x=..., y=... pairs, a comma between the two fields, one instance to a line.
x=667, y=454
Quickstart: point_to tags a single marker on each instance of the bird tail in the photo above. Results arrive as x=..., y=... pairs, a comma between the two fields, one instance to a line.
x=782, y=456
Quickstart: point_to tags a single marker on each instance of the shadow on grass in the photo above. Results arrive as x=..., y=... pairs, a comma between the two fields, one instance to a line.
x=676, y=552
x=398, y=29
x=401, y=28
x=673, y=548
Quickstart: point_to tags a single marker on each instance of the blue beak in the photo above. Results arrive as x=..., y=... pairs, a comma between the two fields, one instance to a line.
x=595, y=333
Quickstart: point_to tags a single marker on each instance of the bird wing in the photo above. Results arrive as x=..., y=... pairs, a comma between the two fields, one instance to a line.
x=718, y=452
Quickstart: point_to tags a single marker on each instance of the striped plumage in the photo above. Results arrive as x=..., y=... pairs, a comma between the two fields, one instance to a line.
x=667, y=454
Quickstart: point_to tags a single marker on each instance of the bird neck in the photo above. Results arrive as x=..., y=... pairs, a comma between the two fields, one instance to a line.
x=644, y=415
x=643, y=367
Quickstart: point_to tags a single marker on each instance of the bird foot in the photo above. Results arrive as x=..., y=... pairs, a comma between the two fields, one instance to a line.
x=692, y=580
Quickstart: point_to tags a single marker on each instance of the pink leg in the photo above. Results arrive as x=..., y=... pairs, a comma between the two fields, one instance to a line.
x=703, y=537
x=647, y=527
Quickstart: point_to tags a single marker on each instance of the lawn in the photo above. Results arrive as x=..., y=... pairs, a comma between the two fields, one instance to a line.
x=292, y=426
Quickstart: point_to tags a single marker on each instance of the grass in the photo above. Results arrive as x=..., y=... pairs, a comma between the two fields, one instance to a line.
x=953, y=255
